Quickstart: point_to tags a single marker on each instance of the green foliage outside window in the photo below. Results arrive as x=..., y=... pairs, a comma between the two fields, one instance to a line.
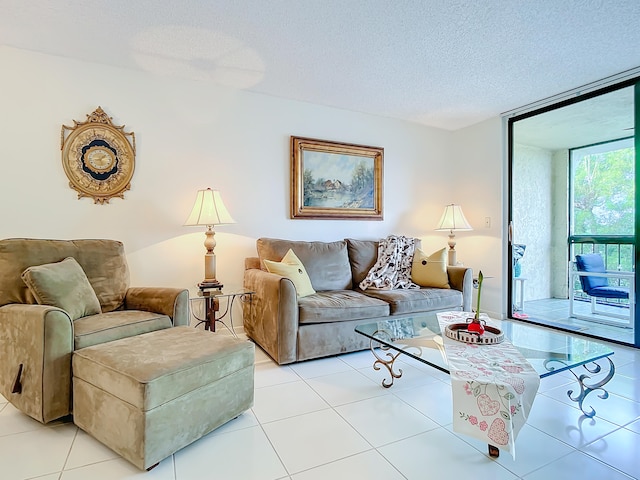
x=604, y=195
x=603, y=187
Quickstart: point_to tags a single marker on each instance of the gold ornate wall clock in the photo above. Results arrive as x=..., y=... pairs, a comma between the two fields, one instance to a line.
x=98, y=157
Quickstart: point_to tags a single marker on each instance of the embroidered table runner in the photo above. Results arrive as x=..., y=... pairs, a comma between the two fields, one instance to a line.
x=493, y=387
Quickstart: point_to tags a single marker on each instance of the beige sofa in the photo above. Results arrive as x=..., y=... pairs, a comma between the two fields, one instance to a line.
x=57, y=296
x=291, y=329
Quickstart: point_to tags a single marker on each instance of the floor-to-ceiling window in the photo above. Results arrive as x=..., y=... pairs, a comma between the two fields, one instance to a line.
x=572, y=192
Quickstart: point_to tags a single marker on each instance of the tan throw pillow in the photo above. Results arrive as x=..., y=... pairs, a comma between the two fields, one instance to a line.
x=430, y=270
x=63, y=285
x=292, y=268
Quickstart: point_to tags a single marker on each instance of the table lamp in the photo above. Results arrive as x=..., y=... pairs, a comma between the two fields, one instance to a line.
x=453, y=220
x=209, y=210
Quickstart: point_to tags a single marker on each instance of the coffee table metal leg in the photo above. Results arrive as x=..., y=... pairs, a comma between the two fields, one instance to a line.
x=386, y=361
x=586, y=388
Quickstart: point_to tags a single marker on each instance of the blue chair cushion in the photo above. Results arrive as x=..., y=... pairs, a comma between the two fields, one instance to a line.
x=591, y=262
x=609, y=292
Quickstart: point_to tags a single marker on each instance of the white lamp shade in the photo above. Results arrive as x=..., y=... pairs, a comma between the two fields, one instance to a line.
x=209, y=209
x=453, y=219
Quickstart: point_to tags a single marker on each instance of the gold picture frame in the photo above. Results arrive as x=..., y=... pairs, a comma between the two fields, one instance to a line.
x=98, y=157
x=332, y=180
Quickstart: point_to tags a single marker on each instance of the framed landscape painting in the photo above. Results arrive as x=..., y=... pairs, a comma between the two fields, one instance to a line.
x=335, y=180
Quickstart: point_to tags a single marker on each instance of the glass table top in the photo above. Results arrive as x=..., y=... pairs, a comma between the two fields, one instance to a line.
x=197, y=294
x=547, y=351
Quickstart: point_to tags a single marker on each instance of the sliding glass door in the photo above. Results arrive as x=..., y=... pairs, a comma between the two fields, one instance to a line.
x=572, y=186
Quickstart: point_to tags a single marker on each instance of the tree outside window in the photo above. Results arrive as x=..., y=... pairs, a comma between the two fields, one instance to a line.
x=603, y=191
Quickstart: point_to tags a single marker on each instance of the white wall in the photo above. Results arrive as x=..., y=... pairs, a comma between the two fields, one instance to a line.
x=195, y=135
x=476, y=181
x=532, y=187
x=541, y=179
x=560, y=224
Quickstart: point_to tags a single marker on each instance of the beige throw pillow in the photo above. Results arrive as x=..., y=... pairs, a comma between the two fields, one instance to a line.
x=430, y=270
x=64, y=285
x=292, y=268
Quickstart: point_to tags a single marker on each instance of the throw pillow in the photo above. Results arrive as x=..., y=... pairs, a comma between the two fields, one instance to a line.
x=63, y=285
x=292, y=268
x=430, y=270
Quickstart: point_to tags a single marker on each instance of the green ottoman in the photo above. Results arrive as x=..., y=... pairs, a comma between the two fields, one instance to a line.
x=148, y=396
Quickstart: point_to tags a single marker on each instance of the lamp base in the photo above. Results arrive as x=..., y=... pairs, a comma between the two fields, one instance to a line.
x=210, y=268
x=452, y=257
x=208, y=285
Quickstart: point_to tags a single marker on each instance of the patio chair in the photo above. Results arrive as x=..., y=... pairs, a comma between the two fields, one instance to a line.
x=594, y=281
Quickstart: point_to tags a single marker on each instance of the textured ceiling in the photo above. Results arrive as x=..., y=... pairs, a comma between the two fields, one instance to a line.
x=598, y=119
x=443, y=63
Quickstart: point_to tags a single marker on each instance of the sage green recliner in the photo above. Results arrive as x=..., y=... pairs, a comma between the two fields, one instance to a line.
x=57, y=296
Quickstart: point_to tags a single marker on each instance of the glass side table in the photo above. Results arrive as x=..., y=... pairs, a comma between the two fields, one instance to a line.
x=211, y=306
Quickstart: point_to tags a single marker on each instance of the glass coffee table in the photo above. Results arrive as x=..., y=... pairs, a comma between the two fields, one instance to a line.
x=547, y=351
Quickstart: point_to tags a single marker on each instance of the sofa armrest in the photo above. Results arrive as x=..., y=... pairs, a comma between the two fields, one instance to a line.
x=461, y=278
x=271, y=319
x=173, y=302
x=40, y=338
x=251, y=262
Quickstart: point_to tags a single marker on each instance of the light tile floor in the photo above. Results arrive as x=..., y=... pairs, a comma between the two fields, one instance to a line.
x=331, y=419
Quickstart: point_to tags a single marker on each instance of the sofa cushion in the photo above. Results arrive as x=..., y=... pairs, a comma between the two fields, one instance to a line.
x=292, y=268
x=362, y=257
x=339, y=306
x=405, y=301
x=327, y=263
x=430, y=270
x=106, y=327
x=64, y=285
